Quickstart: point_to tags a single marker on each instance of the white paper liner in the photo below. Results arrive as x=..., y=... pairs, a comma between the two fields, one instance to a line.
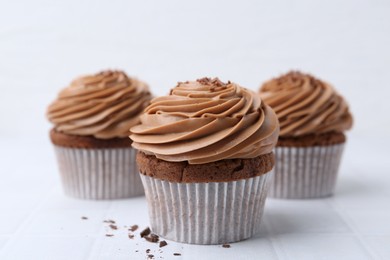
x=305, y=172
x=206, y=213
x=99, y=173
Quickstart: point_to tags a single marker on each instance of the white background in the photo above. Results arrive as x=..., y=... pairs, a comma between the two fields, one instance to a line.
x=45, y=44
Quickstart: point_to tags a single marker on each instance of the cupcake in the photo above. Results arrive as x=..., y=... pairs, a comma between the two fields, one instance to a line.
x=313, y=118
x=92, y=118
x=205, y=158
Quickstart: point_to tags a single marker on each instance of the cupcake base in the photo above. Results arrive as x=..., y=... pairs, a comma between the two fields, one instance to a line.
x=305, y=172
x=98, y=169
x=99, y=174
x=206, y=213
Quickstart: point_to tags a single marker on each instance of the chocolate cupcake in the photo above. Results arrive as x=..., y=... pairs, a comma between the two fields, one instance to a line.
x=205, y=157
x=313, y=118
x=92, y=118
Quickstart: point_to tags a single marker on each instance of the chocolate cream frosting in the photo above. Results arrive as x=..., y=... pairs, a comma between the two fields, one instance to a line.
x=305, y=105
x=105, y=105
x=206, y=121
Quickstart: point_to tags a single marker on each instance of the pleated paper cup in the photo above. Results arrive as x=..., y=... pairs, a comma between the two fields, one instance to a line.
x=206, y=213
x=99, y=174
x=305, y=172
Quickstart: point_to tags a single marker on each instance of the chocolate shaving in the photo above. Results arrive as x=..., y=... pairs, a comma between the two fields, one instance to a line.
x=204, y=81
x=109, y=221
x=163, y=243
x=145, y=232
x=109, y=235
x=133, y=228
x=113, y=227
x=215, y=83
x=181, y=82
x=153, y=238
x=176, y=254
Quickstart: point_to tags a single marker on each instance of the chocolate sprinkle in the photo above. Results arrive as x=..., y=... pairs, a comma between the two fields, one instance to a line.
x=176, y=254
x=163, y=243
x=109, y=221
x=109, y=235
x=145, y=232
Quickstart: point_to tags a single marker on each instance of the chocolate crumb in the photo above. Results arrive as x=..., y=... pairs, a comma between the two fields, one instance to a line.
x=145, y=232
x=109, y=235
x=148, y=251
x=150, y=256
x=131, y=236
x=136, y=251
x=114, y=227
x=109, y=221
x=226, y=245
x=84, y=218
x=176, y=254
x=133, y=228
x=153, y=238
x=163, y=243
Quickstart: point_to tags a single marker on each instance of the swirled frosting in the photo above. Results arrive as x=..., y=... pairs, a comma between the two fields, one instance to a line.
x=305, y=105
x=205, y=121
x=105, y=105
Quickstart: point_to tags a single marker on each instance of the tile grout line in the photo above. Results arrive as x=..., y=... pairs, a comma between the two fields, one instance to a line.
x=100, y=236
x=27, y=220
x=371, y=253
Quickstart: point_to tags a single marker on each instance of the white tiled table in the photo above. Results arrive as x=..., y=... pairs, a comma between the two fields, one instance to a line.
x=38, y=222
x=44, y=44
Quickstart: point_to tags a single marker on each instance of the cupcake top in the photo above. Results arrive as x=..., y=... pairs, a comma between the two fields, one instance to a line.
x=206, y=121
x=305, y=105
x=105, y=105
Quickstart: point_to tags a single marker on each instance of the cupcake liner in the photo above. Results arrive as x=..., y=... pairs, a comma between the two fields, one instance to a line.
x=305, y=172
x=99, y=173
x=206, y=213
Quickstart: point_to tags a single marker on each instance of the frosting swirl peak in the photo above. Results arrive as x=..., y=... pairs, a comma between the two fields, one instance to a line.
x=105, y=105
x=306, y=105
x=205, y=121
